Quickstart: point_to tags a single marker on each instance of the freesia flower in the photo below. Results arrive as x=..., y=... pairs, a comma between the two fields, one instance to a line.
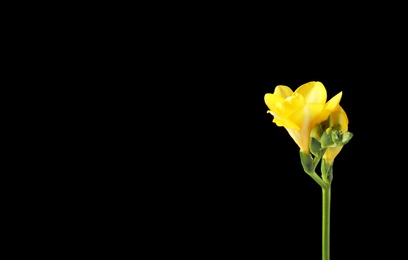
x=320, y=129
x=298, y=111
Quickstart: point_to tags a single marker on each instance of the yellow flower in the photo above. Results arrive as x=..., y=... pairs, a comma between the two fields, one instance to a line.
x=339, y=117
x=300, y=110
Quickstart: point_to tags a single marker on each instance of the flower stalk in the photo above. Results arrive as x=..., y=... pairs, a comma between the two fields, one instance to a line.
x=326, y=201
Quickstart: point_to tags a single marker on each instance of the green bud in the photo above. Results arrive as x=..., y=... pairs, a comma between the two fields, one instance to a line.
x=335, y=136
x=326, y=139
x=346, y=137
x=307, y=162
x=315, y=147
x=315, y=135
x=327, y=171
x=316, y=132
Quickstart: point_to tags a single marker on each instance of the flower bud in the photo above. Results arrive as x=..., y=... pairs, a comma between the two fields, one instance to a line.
x=315, y=135
x=326, y=139
x=307, y=162
x=335, y=136
x=346, y=137
x=327, y=171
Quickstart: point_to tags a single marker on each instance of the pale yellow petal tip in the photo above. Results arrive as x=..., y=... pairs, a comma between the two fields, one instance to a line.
x=334, y=101
x=314, y=83
x=283, y=91
x=313, y=92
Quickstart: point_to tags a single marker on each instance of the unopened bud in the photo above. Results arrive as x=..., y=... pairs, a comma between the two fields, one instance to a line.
x=315, y=135
x=307, y=162
x=327, y=171
x=326, y=139
x=335, y=136
x=346, y=137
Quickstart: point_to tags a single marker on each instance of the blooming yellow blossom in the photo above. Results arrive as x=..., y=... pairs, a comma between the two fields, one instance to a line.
x=338, y=117
x=298, y=111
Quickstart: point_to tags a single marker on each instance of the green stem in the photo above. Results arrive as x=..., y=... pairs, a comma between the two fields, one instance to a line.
x=326, y=197
x=318, y=180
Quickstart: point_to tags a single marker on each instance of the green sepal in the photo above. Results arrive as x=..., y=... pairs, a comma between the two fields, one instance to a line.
x=307, y=162
x=327, y=171
x=326, y=139
x=315, y=135
x=315, y=147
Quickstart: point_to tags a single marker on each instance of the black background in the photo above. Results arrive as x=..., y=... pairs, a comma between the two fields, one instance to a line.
x=159, y=140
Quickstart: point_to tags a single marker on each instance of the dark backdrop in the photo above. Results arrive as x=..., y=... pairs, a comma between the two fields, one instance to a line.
x=159, y=140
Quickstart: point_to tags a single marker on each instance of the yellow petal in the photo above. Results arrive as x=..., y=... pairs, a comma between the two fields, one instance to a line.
x=339, y=116
x=313, y=92
x=278, y=122
x=282, y=121
x=331, y=153
x=299, y=140
x=283, y=91
x=334, y=101
x=288, y=124
x=271, y=100
x=330, y=106
x=291, y=104
x=303, y=118
x=306, y=116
